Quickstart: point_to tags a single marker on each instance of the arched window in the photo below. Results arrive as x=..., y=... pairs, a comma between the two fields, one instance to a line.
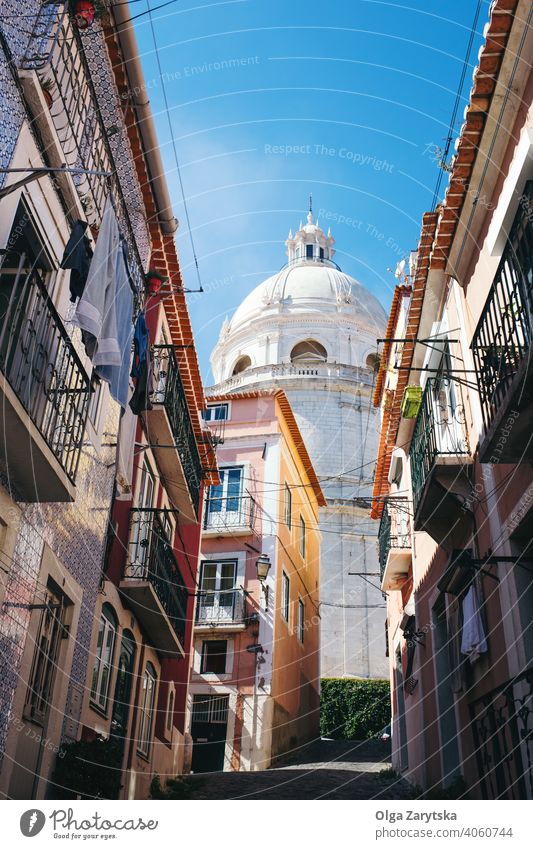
x=310, y=350
x=170, y=711
x=103, y=657
x=242, y=364
x=372, y=361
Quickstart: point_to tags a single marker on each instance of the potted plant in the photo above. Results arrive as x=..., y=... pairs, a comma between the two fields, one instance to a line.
x=411, y=400
x=47, y=86
x=87, y=11
x=154, y=281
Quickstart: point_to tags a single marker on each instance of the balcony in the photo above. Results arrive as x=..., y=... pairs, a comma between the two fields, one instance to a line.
x=83, y=126
x=440, y=464
x=153, y=583
x=221, y=609
x=394, y=540
x=233, y=515
x=501, y=727
x=44, y=391
x=501, y=348
x=170, y=432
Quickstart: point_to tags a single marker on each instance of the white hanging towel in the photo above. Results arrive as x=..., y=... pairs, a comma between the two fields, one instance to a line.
x=96, y=312
x=473, y=642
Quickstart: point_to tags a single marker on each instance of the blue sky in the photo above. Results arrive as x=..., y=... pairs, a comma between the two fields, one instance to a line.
x=272, y=101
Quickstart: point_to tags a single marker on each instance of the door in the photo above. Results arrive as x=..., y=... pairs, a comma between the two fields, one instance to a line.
x=224, y=506
x=142, y=519
x=208, y=730
x=217, y=592
x=123, y=686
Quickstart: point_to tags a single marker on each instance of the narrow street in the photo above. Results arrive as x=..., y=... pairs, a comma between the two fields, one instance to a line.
x=326, y=769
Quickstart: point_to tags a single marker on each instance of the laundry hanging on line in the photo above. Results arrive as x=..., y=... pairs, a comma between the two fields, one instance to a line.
x=104, y=311
x=473, y=642
x=77, y=257
x=141, y=370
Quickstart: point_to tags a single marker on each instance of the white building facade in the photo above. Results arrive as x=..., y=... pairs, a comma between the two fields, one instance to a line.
x=311, y=330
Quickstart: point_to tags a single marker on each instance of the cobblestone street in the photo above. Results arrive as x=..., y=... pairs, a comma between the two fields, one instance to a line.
x=326, y=769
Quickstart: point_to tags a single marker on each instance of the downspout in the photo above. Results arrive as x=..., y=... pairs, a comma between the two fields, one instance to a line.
x=130, y=52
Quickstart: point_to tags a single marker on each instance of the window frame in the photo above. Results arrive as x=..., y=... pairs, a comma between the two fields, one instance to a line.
x=210, y=408
x=302, y=537
x=300, y=620
x=107, y=625
x=45, y=659
x=288, y=506
x=205, y=656
x=285, y=607
x=146, y=711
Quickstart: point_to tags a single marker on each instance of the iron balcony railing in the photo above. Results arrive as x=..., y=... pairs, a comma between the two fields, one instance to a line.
x=504, y=334
x=221, y=607
x=439, y=432
x=502, y=727
x=393, y=531
x=169, y=391
x=41, y=365
x=151, y=558
x=85, y=111
x=229, y=513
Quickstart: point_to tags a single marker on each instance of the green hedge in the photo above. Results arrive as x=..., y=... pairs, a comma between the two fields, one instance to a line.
x=353, y=709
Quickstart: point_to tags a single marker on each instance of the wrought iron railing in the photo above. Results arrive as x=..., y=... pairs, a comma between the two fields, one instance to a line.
x=151, y=558
x=221, y=607
x=57, y=51
x=393, y=532
x=41, y=365
x=502, y=726
x=169, y=392
x=504, y=334
x=439, y=431
x=229, y=513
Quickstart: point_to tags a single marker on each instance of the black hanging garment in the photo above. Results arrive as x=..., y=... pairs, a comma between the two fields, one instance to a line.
x=77, y=256
x=141, y=370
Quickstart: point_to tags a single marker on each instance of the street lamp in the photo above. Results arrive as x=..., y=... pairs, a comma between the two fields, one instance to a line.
x=263, y=565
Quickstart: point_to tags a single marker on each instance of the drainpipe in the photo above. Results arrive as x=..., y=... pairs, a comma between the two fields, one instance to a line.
x=130, y=51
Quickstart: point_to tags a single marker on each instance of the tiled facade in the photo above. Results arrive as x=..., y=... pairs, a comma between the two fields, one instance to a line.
x=58, y=549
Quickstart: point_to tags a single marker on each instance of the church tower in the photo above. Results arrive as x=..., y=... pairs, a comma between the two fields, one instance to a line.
x=311, y=330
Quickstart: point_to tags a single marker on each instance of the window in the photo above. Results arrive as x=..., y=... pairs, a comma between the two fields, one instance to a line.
x=42, y=675
x=146, y=711
x=225, y=497
x=216, y=413
x=170, y=711
x=142, y=518
x=214, y=654
x=309, y=251
x=217, y=596
x=288, y=506
x=302, y=536
x=309, y=351
x=241, y=364
x=321, y=253
x=301, y=620
x=105, y=645
x=285, y=596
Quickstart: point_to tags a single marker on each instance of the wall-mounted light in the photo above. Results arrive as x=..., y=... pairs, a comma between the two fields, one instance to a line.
x=263, y=564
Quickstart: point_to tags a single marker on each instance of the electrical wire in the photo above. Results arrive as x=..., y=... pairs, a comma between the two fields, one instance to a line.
x=174, y=146
x=456, y=104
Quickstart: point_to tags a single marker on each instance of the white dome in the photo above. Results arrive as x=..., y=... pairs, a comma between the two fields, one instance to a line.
x=309, y=286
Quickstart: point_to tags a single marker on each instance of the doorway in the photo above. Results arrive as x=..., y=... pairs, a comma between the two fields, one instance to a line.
x=208, y=730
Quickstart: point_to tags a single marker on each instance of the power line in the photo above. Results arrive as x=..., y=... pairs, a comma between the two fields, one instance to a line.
x=449, y=137
x=174, y=148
